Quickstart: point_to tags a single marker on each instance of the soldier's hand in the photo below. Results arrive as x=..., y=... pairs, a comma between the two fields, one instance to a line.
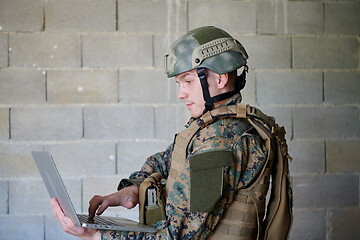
x=127, y=197
x=69, y=227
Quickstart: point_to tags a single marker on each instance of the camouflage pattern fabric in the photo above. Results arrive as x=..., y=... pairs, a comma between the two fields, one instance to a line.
x=249, y=154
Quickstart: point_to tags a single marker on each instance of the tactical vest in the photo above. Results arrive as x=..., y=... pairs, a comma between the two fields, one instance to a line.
x=243, y=218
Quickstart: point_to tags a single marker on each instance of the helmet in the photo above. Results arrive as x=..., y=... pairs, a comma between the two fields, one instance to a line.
x=206, y=47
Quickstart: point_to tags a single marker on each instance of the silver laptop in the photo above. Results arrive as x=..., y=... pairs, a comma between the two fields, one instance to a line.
x=56, y=189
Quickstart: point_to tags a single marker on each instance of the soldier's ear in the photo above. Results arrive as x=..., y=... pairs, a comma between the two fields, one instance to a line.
x=222, y=80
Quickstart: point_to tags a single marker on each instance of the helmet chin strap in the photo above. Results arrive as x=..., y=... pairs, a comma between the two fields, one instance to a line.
x=209, y=101
x=205, y=89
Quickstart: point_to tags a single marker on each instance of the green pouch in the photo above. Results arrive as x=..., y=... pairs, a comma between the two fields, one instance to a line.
x=206, y=178
x=153, y=214
x=151, y=200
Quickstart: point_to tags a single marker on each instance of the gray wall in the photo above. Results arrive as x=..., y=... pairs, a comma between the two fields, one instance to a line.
x=83, y=79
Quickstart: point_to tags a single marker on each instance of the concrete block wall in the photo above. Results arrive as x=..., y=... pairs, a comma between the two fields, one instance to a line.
x=83, y=79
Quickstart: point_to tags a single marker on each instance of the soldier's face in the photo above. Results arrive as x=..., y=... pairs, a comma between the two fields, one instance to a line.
x=190, y=92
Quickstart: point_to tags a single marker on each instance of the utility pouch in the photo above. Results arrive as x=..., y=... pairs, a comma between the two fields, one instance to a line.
x=207, y=178
x=151, y=200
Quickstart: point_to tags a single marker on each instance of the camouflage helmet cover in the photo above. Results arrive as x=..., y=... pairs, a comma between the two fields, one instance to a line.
x=206, y=47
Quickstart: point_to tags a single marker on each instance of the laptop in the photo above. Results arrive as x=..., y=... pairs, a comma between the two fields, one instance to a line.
x=56, y=189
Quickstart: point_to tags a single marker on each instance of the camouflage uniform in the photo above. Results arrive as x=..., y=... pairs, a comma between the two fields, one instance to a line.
x=231, y=134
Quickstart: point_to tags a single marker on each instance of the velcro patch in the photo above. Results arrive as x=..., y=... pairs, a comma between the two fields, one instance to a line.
x=206, y=178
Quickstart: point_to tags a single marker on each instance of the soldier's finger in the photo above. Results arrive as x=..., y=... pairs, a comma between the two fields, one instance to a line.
x=94, y=204
x=60, y=216
x=57, y=209
x=129, y=203
x=71, y=228
x=104, y=205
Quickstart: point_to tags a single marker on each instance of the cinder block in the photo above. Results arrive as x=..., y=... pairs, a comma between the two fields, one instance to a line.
x=19, y=86
x=100, y=186
x=82, y=86
x=116, y=122
x=117, y=50
x=161, y=16
x=301, y=87
x=80, y=15
x=16, y=160
x=308, y=156
x=326, y=122
x=288, y=17
x=21, y=16
x=343, y=156
x=4, y=123
x=325, y=191
x=344, y=223
x=23, y=192
x=283, y=116
x=4, y=197
x=146, y=86
x=75, y=159
x=325, y=52
x=4, y=49
x=308, y=224
x=170, y=119
x=53, y=230
x=46, y=123
x=241, y=13
x=342, y=18
x=45, y=50
x=267, y=51
x=20, y=227
x=26, y=192
x=133, y=154
x=342, y=87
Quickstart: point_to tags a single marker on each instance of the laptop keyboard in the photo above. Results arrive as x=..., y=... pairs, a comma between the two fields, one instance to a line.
x=97, y=220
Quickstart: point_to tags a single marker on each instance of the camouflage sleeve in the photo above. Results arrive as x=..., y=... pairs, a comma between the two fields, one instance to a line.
x=162, y=234
x=254, y=153
x=121, y=235
x=159, y=162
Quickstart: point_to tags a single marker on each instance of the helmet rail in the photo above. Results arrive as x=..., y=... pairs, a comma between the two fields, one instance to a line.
x=216, y=47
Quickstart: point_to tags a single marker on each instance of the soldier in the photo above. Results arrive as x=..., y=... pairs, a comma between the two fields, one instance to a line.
x=215, y=169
